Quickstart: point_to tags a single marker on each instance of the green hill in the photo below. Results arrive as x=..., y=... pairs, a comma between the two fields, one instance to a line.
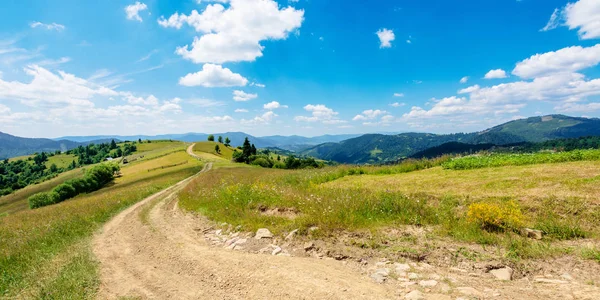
x=379, y=148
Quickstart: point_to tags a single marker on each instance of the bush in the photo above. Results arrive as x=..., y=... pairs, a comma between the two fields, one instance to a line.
x=65, y=191
x=43, y=199
x=496, y=216
x=94, y=179
x=262, y=162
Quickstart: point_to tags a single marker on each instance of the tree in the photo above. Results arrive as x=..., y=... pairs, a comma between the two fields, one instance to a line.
x=53, y=168
x=217, y=149
x=140, y=140
x=253, y=150
x=221, y=139
x=6, y=161
x=113, y=145
x=227, y=142
x=278, y=158
x=246, y=149
x=211, y=138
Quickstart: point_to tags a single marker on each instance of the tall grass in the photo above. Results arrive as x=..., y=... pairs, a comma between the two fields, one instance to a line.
x=499, y=159
x=45, y=253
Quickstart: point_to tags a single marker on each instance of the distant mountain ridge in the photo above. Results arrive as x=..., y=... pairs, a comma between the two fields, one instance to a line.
x=375, y=149
x=12, y=146
x=293, y=142
x=346, y=148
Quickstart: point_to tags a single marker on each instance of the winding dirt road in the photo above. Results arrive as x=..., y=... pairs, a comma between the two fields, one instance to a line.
x=165, y=258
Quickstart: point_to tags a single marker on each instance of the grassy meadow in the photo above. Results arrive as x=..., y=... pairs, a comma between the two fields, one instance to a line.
x=486, y=206
x=46, y=252
x=204, y=148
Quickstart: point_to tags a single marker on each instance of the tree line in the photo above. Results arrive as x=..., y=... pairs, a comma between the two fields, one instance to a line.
x=95, y=178
x=15, y=175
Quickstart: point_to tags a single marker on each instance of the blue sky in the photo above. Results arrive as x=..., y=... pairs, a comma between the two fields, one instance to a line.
x=293, y=67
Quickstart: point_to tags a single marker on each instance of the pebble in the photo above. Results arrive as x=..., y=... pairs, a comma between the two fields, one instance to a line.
x=413, y=276
x=428, y=283
x=414, y=295
x=263, y=233
x=401, y=267
x=309, y=246
x=504, y=274
x=381, y=275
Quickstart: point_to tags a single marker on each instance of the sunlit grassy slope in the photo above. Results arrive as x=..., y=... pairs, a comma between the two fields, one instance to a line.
x=209, y=147
x=45, y=253
x=17, y=201
x=560, y=199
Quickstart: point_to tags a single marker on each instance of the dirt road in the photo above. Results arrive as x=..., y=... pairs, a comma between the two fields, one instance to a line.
x=166, y=258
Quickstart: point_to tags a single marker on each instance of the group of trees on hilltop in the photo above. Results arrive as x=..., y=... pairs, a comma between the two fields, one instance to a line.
x=95, y=153
x=226, y=142
x=248, y=154
x=18, y=174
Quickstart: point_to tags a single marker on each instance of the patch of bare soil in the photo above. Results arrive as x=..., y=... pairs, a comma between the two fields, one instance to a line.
x=171, y=258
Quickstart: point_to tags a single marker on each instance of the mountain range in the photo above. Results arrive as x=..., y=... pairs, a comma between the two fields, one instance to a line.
x=378, y=148
x=345, y=148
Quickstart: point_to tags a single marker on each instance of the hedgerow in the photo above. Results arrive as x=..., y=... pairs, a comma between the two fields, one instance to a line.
x=94, y=179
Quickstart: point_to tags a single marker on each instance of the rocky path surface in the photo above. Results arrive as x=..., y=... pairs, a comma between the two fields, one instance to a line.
x=168, y=258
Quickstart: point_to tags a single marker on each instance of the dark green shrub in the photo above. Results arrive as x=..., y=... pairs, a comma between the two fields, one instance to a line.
x=65, y=191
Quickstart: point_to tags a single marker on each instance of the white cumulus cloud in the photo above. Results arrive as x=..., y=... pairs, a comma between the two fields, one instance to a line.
x=386, y=36
x=213, y=76
x=274, y=105
x=235, y=33
x=495, y=74
x=133, y=11
x=569, y=59
x=241, y=96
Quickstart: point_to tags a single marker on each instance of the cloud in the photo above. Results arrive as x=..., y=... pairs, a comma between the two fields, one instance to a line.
x=235, y=33
x=583, y=15
x=369, y=114
x=146, y=57
x=241, y=110
x=48, y=89
x=274, y=105
x=386, y=36
x=398, y=95
x=150, y=100
x=265, y=118
x=53, y=62
x=319, y=113
x=258, y=85
x=241, y=96
x=4, y=109
x=464, y=79
x=569, y=59
x=397, y=104
x=213, y=76
x=205, y=102
x=52, y=26
x=469, y=89
x=495, y=74
x=133, y=11
x=553, y=22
